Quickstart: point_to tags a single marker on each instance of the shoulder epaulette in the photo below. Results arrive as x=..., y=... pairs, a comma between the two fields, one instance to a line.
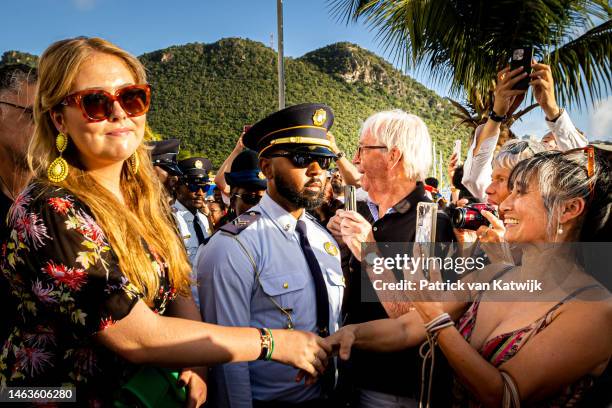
x=241, y=223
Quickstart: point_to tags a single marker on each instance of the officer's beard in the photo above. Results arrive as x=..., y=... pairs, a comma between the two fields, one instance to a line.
x=306, y=199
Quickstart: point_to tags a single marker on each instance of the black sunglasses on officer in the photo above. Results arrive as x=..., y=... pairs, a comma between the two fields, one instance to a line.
x=302, y=160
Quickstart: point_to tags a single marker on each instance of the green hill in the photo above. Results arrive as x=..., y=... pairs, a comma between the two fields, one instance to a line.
x=205, y=93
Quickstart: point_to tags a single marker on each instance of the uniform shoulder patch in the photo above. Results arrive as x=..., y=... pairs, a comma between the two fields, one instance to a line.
x=241, y=223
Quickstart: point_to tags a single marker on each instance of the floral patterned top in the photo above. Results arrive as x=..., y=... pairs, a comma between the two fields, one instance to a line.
x=68, y=286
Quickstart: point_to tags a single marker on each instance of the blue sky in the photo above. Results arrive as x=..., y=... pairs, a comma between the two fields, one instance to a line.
x=139, y=26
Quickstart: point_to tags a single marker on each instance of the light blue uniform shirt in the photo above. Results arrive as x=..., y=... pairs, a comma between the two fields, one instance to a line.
x=230, y=295
x=184, y=221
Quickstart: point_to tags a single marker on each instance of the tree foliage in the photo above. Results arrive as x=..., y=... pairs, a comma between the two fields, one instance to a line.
x=465, y=42
x=205, y=93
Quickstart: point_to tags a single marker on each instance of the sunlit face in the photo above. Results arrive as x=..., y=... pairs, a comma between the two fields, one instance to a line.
x=216, y=212
x=525, y=216
x=110, y=141
x=497, y=191
x=16, y=124
x=371, y=163
x=301, y=187
x=192, y=200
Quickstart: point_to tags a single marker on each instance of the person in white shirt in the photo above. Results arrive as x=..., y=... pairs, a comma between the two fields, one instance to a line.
x=478, y=169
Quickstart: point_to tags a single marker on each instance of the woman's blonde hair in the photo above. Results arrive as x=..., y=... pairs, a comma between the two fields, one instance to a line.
x=145, y=219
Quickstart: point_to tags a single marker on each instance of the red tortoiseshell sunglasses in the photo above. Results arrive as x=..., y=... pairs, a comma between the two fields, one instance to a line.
x=97, y=105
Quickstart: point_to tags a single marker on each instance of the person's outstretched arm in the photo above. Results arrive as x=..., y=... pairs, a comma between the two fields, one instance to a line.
x=226, y=166
x=349, y=172
x=477, y=170
x=565, y=133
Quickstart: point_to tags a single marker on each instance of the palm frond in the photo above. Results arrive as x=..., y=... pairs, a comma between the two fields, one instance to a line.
x=581, y=68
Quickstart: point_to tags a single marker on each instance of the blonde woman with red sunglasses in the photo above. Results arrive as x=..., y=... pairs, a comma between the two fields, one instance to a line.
x=92, y=256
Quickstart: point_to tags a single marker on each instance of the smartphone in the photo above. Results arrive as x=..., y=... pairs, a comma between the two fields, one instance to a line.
x=350, y=201
x=522, y=57
x=457, y=150
x=427, y=215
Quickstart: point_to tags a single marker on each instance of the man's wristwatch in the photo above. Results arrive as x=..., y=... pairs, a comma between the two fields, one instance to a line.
x=496, y=118
x=339, y=155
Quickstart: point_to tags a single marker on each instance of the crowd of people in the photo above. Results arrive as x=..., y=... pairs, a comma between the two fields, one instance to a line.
x=254, y=284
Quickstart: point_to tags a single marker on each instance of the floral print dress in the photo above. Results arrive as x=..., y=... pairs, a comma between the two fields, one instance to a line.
x=68, y=286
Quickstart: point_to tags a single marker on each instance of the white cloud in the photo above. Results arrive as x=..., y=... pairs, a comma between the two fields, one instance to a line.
x=601, y=120
x=84, y=5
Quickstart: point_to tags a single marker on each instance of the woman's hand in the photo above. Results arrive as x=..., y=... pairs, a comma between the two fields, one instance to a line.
x=355, y=230
x=197, y=390
x=342, y=341
x=494, y=233
x=239, y=145
x=506, y=99
x=543, y=88
x=303, y=350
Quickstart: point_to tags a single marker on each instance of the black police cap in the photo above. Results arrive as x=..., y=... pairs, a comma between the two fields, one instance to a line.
x=164, y=154
x=245, y=171
x=303, y=127
x=195, y=168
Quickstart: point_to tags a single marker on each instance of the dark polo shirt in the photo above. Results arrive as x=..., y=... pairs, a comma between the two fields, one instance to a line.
x=392, y=373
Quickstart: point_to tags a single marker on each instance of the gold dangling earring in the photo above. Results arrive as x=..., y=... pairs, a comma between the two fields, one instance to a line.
x=134, y=162
x=58, y=169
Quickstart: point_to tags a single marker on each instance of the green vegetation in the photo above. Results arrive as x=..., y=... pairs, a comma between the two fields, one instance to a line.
x=205, y=93
x=18, y=57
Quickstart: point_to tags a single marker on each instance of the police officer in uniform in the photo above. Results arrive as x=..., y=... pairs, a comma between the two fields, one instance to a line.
x=247, y=183
x=163, y=156
x=275, y=266
x=191, y=190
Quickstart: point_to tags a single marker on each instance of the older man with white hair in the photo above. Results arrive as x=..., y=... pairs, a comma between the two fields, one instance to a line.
x=393, y=157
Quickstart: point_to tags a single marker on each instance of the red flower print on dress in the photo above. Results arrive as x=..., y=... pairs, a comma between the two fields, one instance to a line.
x=60, y=205
x=90, y=229
x=105, y=323
x=32, y=360
x=74, y=278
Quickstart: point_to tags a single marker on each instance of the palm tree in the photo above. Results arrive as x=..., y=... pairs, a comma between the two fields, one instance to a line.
x=467, y=42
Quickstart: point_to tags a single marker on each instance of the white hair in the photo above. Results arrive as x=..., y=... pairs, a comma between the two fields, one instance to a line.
x=406, y=132
x=515, y=151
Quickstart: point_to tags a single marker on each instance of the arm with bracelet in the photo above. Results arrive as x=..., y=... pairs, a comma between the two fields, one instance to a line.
x=350, y=174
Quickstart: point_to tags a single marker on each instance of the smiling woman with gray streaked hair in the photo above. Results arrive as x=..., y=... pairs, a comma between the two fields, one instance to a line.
x=406, y=132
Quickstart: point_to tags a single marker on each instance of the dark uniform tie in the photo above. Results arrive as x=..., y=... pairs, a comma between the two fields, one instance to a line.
x=198, y=229
x=329, y=378
x=320, y=288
